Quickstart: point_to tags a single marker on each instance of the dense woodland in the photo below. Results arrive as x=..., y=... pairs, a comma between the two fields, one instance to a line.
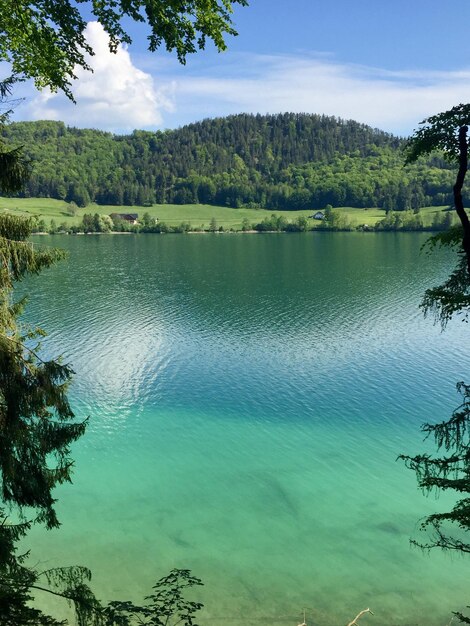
x=286, y=161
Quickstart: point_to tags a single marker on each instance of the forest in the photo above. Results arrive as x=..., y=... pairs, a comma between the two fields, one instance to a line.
x=286, y=162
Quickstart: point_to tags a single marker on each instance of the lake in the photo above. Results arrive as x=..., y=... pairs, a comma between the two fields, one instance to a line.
x=248, y=396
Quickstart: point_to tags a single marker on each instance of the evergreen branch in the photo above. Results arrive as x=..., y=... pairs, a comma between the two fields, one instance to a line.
x=24, y=347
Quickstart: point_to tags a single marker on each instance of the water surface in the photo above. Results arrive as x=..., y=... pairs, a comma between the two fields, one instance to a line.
x=248, y=396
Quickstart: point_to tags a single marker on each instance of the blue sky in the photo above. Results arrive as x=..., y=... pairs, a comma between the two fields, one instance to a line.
x=388, y=64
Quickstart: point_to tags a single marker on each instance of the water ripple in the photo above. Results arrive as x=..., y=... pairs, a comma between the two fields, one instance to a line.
x=248, y=398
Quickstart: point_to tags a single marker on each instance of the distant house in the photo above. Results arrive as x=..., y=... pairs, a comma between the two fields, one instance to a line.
x=126, y=217
x=319, y=215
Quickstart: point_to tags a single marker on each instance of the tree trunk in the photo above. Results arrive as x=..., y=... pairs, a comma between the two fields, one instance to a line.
x=463, y=165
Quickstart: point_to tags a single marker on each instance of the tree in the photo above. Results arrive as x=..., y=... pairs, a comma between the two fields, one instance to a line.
x=18, y=582
x=246, y=224
x=45, y=40
x=453, y=296
x=450, y=469
x=450, y=472
x=14, y=168
x=447, y=132
x=41, y=226
x=302, y=223
x=213, y=226
x=166, y=605
x=37, y=422
x=107, y=167
x=147, y=222
x=89, y=222
x=72, y=208
x=328, y=212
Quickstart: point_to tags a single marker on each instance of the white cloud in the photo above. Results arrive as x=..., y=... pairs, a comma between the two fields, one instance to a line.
x=120, y=97
x=394, y=101
x=116, y=96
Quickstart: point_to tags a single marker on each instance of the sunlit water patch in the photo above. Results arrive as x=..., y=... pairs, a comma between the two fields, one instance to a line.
x=248, y=397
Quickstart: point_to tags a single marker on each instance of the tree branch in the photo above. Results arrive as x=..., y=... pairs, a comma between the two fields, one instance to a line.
x=359, y=615
x=54, y=593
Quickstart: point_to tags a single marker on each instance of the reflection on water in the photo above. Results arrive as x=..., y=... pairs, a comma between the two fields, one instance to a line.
x=248, y=398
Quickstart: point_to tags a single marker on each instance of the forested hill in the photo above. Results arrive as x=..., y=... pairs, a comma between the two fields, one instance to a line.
x=285, y=161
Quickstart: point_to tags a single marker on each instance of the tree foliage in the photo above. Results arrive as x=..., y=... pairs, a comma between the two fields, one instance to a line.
x=45, y=40
x=16, y=581
x=19, y=581
x=448, y=472
x=439, y=132
x=37, y=422
x=167, y=604
x=14, y=168
x=36, y=428
x=285, y=161
x=452, y=297
x=448, y=132
x=449, y=469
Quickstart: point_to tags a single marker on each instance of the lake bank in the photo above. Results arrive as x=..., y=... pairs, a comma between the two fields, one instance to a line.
x=197, y=214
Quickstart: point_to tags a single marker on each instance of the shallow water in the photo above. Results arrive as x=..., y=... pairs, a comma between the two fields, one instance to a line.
x=248, y=396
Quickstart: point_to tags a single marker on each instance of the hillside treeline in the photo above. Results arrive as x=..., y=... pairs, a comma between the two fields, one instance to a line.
x=286, y=161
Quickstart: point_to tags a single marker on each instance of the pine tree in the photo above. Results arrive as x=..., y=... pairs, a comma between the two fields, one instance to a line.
x=37, y=423
x=448, y=472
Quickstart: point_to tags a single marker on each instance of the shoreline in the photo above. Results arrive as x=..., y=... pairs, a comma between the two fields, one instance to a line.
x=241, y=232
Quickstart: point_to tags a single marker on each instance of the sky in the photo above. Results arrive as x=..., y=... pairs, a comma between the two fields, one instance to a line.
x=386, y=63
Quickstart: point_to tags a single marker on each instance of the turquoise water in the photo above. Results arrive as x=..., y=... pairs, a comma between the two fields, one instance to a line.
x=248, y=397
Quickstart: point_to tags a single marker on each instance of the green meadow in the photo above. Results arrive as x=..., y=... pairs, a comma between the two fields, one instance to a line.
x=196, y=214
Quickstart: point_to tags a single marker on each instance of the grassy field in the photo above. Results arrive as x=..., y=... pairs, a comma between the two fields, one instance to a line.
x=196, y=214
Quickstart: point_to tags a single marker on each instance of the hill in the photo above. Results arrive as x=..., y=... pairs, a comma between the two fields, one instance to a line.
x=285, y=162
